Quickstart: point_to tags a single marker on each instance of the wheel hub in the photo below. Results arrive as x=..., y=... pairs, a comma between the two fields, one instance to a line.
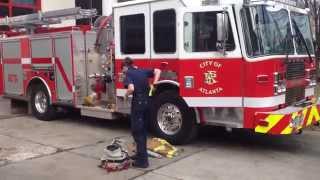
x=41, y=102
x=169, y=118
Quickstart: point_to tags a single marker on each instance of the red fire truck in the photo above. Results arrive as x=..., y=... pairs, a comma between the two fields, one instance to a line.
x=225, y=63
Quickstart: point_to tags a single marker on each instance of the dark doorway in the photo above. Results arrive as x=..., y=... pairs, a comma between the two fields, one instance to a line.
x=88, y=4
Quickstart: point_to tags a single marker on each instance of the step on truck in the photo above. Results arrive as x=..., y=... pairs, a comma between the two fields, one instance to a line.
x=238, y=64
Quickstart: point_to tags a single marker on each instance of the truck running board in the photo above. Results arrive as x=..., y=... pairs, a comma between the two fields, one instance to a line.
x=98, y=112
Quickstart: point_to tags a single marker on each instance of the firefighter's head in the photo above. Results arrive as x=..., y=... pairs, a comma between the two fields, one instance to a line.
x=126, y=64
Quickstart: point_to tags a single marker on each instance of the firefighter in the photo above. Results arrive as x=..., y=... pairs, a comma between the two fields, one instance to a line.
x=137, y=84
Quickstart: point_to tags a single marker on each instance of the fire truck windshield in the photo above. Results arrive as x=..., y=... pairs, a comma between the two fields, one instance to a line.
x=303, y=25
x=267, y=31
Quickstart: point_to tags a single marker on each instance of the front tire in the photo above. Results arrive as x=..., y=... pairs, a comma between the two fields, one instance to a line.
x=40, y=104
x=172, y=119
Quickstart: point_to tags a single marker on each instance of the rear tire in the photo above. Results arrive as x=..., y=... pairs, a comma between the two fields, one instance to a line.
x=40, y=104
x=172, y=119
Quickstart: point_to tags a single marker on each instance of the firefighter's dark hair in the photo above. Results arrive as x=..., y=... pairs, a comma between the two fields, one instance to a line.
x=127, y=62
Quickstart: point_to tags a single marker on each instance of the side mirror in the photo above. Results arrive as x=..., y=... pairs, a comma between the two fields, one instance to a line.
x=222, y=31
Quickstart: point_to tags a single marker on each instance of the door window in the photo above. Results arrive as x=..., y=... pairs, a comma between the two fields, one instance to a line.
x=200, y=32
x=132, y=29
x=164, y=30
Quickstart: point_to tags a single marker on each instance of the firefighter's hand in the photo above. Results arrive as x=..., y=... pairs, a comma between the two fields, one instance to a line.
x=152, y=90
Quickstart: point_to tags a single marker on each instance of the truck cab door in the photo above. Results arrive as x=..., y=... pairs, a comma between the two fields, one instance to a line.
x=209, y=77
x=132, y=39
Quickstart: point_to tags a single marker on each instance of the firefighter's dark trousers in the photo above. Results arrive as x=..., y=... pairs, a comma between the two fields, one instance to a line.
x=139, y=125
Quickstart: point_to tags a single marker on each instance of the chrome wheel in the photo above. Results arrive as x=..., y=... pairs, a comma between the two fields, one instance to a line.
x=40, y=102
x=169, y=119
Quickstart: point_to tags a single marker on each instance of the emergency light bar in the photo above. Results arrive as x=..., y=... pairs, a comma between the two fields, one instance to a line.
x=286, y=2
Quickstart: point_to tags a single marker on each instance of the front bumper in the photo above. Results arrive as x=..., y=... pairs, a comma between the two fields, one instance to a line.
x=286, y=121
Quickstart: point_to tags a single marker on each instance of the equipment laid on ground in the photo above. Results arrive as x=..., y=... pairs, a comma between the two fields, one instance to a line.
x=162, y=147
x=115, y=157
x=223, y=64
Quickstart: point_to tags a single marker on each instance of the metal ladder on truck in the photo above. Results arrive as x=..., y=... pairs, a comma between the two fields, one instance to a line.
x=32, y=21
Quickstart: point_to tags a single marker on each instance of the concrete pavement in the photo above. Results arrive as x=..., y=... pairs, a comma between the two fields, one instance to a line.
x=70, y=148
x=4, y=108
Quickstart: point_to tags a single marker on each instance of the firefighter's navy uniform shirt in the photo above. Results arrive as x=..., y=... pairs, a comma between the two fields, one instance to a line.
x=140, y=79
x=139, y=110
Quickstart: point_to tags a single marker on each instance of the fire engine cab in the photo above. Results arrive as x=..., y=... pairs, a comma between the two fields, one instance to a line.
x=237, y=64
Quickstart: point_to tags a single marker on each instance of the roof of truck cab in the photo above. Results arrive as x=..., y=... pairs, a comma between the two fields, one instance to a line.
x=135, y=2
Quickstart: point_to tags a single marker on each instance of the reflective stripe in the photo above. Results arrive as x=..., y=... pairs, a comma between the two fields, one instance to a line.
x=287, y=130
x=272, y=120
x=310, y=119
x=213, y=101
x=305, y=113
x=252, y=102
x=264, y=101
x=314, y=114
x=282, y=124
x=26, y=61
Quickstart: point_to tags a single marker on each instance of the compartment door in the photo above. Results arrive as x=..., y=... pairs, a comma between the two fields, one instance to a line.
x=93, y=59
x=13, y=72
x=64, y=68
x=79, y=56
